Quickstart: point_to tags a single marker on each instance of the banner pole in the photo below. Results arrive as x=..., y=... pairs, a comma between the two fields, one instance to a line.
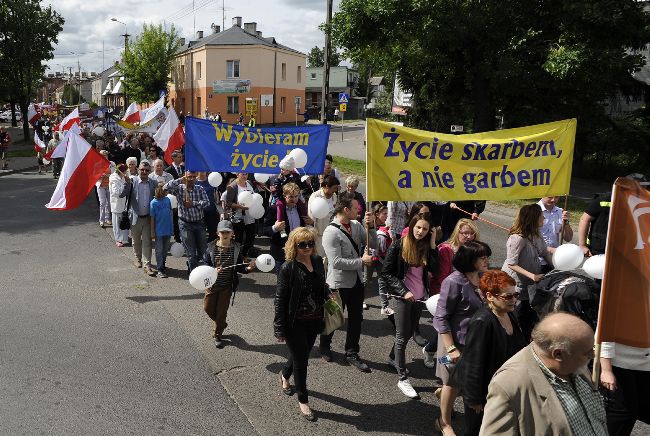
x=566, y=200
x=595, y=373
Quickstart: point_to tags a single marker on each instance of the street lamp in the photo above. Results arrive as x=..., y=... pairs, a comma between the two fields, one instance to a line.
x=126, y=43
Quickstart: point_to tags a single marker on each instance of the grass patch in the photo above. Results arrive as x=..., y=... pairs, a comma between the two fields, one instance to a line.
x=26, y=152
x=575, y=205
x=350, y=166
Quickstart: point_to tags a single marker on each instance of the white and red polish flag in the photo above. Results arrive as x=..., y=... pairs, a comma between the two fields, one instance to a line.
x=39, y=145
x=170, y=136
x=72, y=118
x=132, y=114
x=60, y=149
x=82, y=168
x=153, y=111
x=33, y=114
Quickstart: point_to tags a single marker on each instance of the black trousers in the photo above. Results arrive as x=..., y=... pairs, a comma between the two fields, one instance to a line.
x=245, y=235
x=527, y=317
x=352, y=298
x=407, y=316
x=629, y=403
x=211, y=218
x=300, y=340
x=473, y=421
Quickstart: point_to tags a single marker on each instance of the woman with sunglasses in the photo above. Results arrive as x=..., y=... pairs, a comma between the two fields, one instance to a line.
x=493, y=336
x=459, y=300
x=405, y=275
x=299, y=306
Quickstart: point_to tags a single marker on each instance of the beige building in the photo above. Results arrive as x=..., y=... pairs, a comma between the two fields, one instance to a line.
x=219, y=72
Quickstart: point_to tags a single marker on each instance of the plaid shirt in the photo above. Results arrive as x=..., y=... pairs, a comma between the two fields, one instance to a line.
x=397, y=215
x=197, y=196
x=582, y=405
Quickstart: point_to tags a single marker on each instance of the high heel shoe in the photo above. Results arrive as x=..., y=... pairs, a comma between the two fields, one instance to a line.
x=311, y=416
x=439, y=427
x=286, y=391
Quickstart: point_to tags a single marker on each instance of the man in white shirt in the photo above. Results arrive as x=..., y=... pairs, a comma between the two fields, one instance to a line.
x=553, y=218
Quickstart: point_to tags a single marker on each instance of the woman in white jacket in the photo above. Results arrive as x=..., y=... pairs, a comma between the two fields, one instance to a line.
x=118, y=205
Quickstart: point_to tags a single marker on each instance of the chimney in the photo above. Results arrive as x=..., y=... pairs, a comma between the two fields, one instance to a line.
x=259, y=33
x=199, y=34
x=251, y=27
x=236, y=21
x=182, y=41
x=215, y=28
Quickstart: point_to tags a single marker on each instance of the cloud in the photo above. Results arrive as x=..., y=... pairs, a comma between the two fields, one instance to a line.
x=89, y=32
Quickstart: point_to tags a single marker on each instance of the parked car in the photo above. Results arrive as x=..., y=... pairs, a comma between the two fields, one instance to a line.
x=5, y=117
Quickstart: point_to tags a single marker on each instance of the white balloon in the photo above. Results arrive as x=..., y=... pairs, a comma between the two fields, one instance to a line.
x=567, y=257
x=46, y=162
x=432, y=303
x=245, y=198
x=203, y=277
x=173, y=200
x=319, y=208
x=257, y=211
x=215, y=179
x=265, y=262
x=595, y=266
x=262, y=178
x=257, y=199
x=177, y=249
x=299, y=156
x=99, y=131
x=304, y=178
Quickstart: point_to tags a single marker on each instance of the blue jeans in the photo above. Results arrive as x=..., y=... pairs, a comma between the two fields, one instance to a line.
x=194, y=241
x=162, y=247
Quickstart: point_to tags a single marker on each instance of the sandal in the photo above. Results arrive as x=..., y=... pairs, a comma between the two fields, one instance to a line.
x=286, y=391
x=439, y=427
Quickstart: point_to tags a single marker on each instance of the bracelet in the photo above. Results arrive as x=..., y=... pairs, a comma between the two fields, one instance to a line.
x=451, y=348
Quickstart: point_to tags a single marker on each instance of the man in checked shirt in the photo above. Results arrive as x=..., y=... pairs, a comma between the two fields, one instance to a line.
x=192, y=199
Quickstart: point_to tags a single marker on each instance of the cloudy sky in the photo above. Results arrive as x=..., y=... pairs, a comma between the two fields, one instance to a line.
x=95, y=40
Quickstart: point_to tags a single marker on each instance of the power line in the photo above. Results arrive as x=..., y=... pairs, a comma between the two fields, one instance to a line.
x=60, y=55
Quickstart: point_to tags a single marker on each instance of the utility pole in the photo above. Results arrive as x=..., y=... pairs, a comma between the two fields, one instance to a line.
x=79, y=82
x=326, y=68
x=223, y=15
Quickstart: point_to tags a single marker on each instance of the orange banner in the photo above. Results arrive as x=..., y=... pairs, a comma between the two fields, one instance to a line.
x=625, y=298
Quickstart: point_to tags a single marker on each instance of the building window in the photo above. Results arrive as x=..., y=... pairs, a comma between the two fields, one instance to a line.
x=284, y=71
x=299, y=74
x=182, y=78
x=233, y=105
x=313, y=76
x=198, y=70
x=232, y=69
x=198, y=106
x=283, y=104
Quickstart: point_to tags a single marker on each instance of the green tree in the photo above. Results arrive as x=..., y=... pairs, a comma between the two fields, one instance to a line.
x=533, y=61
x=28, y=33
x=70, y=94
x=147, y=62
x=316, y=58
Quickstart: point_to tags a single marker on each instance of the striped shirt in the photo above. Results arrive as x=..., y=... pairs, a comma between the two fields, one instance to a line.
x=224, y=257
x=196, y=195
x=397, y=215
x=582, y=405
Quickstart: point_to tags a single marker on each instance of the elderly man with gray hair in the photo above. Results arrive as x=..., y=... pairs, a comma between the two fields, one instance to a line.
x=159, y=175
x=546, y=387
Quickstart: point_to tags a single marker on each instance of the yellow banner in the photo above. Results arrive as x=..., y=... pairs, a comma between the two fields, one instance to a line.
x=405, y=164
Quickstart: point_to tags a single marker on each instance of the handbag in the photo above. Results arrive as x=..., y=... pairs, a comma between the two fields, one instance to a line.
x=333, y=314
x=125, y=222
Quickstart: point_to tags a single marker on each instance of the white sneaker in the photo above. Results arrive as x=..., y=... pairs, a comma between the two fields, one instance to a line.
x=387, y=311
x=407, y=389
x=429, y=358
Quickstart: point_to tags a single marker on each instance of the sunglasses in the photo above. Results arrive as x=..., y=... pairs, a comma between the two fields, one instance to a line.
x=306, y=244
x=507, y=297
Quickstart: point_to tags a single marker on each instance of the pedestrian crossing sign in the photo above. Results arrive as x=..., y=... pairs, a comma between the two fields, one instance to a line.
x=344, y=97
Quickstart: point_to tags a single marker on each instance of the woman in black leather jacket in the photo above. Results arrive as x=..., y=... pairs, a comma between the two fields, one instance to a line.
x=299, y=305
x=405, y=275
x=493, y=337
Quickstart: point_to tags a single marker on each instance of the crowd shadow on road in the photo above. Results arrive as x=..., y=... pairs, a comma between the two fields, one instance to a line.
x=385, y=418
x=149, y=298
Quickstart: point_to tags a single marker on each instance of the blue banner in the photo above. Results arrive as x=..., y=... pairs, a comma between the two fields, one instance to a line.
x=211, y=146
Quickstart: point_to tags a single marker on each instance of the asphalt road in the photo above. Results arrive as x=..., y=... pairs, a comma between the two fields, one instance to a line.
x=91, y=345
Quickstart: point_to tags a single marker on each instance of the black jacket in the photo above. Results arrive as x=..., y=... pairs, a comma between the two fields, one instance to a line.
x=291, y=281
x=484, y=352
x=277, y=242
x=171, y=170
x=394, y=271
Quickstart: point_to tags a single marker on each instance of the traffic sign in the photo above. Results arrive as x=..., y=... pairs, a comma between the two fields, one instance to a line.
x=456, y=129
x=298, y=102
x=343, y=107
x=344, y=97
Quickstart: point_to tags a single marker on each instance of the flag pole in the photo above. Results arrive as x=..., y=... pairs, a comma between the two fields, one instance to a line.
x=566, y=200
